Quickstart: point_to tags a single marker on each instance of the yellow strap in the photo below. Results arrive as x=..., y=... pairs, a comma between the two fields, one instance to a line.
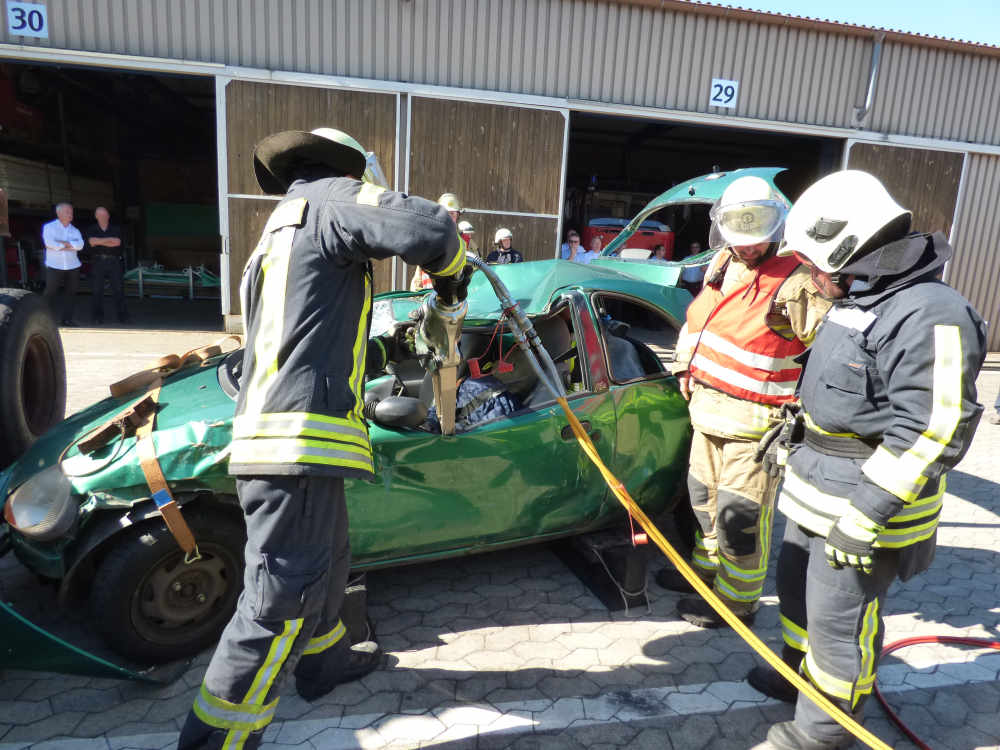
x=619, y=491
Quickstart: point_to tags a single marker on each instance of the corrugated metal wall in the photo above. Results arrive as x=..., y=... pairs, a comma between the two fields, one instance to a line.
x=975, y=270
x=583, y=49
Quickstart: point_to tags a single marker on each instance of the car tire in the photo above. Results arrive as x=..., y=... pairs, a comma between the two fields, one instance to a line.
x=150, y=606
x=32, y=372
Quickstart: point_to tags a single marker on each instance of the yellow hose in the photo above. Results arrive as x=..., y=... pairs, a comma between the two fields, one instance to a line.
x=708, y=595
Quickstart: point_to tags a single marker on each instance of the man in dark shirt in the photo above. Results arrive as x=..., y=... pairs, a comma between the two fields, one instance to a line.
x=104, y=240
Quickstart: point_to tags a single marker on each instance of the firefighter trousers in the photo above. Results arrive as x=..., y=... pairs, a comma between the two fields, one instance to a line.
x=835, y=618
x=287, y=618
x=733, y=501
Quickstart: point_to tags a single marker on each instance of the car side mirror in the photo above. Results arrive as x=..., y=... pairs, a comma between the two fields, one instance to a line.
x=397, y=411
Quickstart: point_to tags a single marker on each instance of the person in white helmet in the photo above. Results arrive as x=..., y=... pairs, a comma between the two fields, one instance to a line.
x=736, y=362
x=421, y=280
x=504, y=253
x=468, y=233
x=889, y=404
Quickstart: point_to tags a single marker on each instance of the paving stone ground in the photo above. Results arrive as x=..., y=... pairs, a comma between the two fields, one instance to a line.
x=510, y=650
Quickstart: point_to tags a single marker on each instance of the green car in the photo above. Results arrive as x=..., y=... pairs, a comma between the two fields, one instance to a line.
x=87, y=520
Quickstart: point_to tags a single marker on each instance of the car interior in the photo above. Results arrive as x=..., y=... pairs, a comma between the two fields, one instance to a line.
x=638, y=340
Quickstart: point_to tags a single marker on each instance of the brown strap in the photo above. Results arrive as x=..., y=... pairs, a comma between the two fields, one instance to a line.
x=165, y=502
x=123, y=424
x=168, y=365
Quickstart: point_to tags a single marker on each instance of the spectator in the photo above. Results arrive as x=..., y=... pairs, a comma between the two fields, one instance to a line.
x=62, y=266
x=504, y=253
x=659, y=252
x=570, y=246
x=468, y=233
x=105, y=242
x=692, y=277
x=585, y=256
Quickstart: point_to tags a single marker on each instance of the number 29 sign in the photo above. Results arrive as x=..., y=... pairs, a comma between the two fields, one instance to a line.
x=27, y=19
x=724, y=93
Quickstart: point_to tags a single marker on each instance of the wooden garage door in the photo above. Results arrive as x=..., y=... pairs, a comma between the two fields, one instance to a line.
x=255, y=110
x=922, y=180
x=503, y=162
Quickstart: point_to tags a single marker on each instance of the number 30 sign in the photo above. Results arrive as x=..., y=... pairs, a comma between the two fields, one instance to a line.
x=724, y=93
x=27, y=19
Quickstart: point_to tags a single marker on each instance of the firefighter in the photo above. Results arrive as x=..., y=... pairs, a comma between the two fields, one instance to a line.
x=736, y=363
x=298, y=431
x=888, y=406
x=421, y=280
x=503, y=252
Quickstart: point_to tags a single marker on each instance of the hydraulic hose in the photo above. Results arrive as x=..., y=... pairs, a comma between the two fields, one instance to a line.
x=525, y=334
x=903, y=643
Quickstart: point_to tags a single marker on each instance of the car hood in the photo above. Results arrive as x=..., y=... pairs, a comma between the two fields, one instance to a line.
x=186, y=447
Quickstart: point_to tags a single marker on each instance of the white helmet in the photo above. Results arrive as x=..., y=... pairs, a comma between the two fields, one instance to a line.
x=750, y=211
x=837, y=215
x=502, y=234
x=466, y=228
x=450, y=202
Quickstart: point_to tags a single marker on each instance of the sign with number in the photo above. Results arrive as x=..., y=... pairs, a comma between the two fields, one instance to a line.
x=27, y=19
x=724, y=93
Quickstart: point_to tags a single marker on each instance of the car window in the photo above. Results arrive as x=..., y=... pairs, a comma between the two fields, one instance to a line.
x=639, y=340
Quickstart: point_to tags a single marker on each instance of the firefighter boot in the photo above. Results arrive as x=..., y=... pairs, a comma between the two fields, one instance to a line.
x=787, y=736
x=318, y=675
x=765, y=679
x=699, y=612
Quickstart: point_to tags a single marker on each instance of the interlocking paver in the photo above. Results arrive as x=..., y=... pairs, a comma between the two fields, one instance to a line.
x=511, y=650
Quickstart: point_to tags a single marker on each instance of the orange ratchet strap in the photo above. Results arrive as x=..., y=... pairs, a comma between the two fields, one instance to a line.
x=168, y=365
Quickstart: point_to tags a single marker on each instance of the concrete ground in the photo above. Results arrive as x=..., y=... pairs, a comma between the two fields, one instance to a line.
x=511, y=650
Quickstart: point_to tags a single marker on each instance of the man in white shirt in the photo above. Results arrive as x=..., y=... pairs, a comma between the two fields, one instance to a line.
x=62, y=266
x=585, y=256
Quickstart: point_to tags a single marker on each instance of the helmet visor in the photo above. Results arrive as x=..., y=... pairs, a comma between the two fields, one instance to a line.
x=747, y=223
x=373, y=171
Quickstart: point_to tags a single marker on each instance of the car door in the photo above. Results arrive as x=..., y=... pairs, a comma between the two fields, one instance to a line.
x=653, y=427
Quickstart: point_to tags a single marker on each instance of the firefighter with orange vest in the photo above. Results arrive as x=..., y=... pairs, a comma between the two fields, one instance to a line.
x=736, y=363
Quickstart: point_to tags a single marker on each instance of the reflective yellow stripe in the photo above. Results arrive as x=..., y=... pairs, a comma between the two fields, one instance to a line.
x=281, y=646
x=274, y=275
x=301, y=424
x=292, y=450
x=323, y=642
x=457, y=263
x=288, y=214
x=816, y=510
x=369, y=193
x=360, y=352
x=729, y=592
x=793, y=635
x=833, y=686
x=866, y=642
x=904, y=476
x=221, y=714
x=816, y=428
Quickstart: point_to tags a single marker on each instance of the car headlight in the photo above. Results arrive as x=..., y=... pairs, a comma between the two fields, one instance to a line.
x=43, y=507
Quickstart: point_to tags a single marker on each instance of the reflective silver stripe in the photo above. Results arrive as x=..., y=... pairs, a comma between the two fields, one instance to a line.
x=794, y=636
x=291, y=450
x=222, y=714
x=763, y=387
x=322, y=643
x=281, y=646
x=748, y=358
x=851, y=317
x=298, y=425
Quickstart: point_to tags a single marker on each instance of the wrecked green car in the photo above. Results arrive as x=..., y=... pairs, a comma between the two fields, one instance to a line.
x=87, y=522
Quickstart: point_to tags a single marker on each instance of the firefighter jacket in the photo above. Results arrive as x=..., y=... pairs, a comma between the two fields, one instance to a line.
x=306, y=294
x=890, y=401
x=742, y=334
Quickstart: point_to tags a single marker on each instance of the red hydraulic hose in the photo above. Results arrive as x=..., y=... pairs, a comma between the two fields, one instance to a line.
x=903, y=643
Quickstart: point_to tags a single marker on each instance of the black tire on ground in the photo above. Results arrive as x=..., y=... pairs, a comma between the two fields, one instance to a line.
x=32, y=372
x=150, y=606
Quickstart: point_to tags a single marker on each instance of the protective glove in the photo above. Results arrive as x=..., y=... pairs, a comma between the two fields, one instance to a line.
x=851, y=542
x=452, y=290
x=398, y=342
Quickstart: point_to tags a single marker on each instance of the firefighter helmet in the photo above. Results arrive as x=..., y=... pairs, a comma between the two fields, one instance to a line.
x=749, y=212
x=502, y=234
x=450, y=202
x=837, y=216
x=276, y=156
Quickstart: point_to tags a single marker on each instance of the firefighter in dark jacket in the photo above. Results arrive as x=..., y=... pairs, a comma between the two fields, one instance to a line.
x=298, y=431
x=889, y=404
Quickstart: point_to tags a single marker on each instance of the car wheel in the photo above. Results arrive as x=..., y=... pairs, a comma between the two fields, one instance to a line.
x=151, y=606
x=32, y=372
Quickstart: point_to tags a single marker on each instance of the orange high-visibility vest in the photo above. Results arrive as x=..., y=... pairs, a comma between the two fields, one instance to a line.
x=736, y=352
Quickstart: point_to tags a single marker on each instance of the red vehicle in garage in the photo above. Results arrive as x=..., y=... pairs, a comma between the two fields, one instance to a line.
x=649, y=235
